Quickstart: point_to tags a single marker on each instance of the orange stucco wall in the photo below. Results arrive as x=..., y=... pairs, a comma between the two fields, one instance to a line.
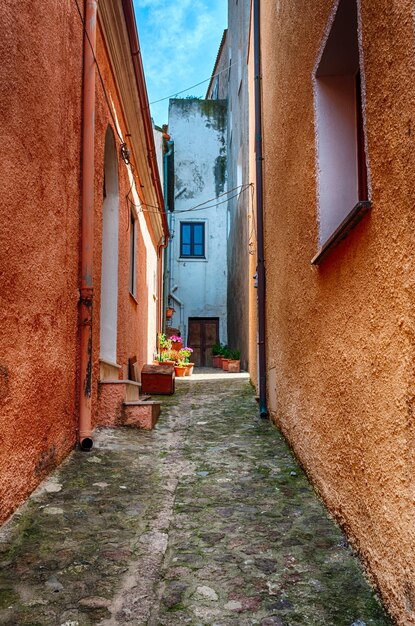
x=340, y=338
x=136, y=335
x=40, y=205
x=40, y=104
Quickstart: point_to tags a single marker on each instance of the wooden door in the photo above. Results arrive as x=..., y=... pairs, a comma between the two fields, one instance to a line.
x=203, y=334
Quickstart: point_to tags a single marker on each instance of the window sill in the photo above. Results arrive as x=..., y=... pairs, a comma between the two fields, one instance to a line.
x=192, y=258
x=341, y=232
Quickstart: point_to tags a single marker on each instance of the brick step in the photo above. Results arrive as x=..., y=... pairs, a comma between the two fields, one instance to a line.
x=141, y=414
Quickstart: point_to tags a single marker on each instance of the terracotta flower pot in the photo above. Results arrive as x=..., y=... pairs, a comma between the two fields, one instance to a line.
x=217, y=361
x=234, y=366
x=189, y=369
x=180, y=371
x=225, y=364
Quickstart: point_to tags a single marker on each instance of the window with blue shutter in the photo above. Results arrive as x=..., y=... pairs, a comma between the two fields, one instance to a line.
x=192, y=239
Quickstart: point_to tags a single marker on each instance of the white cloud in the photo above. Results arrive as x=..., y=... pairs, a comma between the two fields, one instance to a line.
x=179, y=43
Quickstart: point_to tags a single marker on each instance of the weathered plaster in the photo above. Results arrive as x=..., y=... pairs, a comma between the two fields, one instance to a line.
x=40, y=105
x=340, y=338
x=198, y=129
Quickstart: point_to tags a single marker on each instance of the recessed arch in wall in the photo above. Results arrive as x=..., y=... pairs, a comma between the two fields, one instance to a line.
x=109, y=272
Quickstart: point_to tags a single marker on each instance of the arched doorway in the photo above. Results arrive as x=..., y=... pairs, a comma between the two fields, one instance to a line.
x=109, y=273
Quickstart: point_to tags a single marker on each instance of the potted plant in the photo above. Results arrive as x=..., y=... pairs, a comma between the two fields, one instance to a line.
x=217, y=355
x=165, y=357
x=176, y=342
x=169, y=312
x=180, y=369
x=170, y=357
x=226, y=355
x=164, y=343
x=184, y=356
x=234, y=363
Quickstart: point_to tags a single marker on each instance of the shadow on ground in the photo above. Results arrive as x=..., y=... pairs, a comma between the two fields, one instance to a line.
x=206, y=520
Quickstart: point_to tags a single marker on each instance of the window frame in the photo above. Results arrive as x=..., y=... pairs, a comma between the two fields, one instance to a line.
x=346, y=215
x=192, y=243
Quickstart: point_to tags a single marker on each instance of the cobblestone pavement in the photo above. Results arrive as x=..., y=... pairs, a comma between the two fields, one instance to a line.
x=206, y=520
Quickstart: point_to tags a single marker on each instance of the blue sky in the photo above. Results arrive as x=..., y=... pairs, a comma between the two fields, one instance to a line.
x=179, y=42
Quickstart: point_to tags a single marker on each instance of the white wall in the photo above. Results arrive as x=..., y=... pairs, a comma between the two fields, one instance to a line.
x=109, y=271
x=198, y=132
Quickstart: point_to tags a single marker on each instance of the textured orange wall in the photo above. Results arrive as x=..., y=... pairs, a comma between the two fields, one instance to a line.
x=40, y=104
x=132, y=313
x=341, y=337
x=40, y=204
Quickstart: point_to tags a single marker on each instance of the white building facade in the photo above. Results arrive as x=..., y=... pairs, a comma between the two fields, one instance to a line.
x=197, y=264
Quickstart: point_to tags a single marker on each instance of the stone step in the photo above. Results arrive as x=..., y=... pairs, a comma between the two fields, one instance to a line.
x=132, y=388
x=109, y=370
x=142, y=414
x=111, y=396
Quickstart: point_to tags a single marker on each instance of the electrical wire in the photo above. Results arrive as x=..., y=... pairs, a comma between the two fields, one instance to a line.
x=177, y=93
x=215, y=204
x=202, y=204
x=197, y=207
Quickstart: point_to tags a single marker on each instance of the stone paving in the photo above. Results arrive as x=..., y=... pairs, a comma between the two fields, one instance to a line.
x=206, y=520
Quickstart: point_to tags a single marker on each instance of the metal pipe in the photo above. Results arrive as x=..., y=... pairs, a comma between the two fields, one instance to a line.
x=172, y=227
x=263, y=410
x=167, y=256
x=87, y=227
x=182, y=326
x=161, y=250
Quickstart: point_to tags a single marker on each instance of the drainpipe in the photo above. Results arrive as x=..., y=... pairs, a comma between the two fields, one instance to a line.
x=263, y=411
x=87, y=228
x=167, y=259
x=181, y=304
x=161, y=249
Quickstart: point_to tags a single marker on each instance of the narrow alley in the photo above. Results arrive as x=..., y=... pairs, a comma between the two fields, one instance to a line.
x=208, y=519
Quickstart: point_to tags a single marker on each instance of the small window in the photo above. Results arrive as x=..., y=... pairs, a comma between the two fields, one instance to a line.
x=192, y=239
x=215, y=92
x=133, y=255
x=341, y=158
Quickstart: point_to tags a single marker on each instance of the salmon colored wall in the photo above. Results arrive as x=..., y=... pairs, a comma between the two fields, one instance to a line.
x=340, y=338
x=40, y=205
x=40, y=107
x=136, y=316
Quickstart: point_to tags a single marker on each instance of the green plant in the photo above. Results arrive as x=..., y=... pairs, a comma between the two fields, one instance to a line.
x=164, y=342
x=184, y=354
x=235, y=355
x=216, y=349
x=226, y=352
